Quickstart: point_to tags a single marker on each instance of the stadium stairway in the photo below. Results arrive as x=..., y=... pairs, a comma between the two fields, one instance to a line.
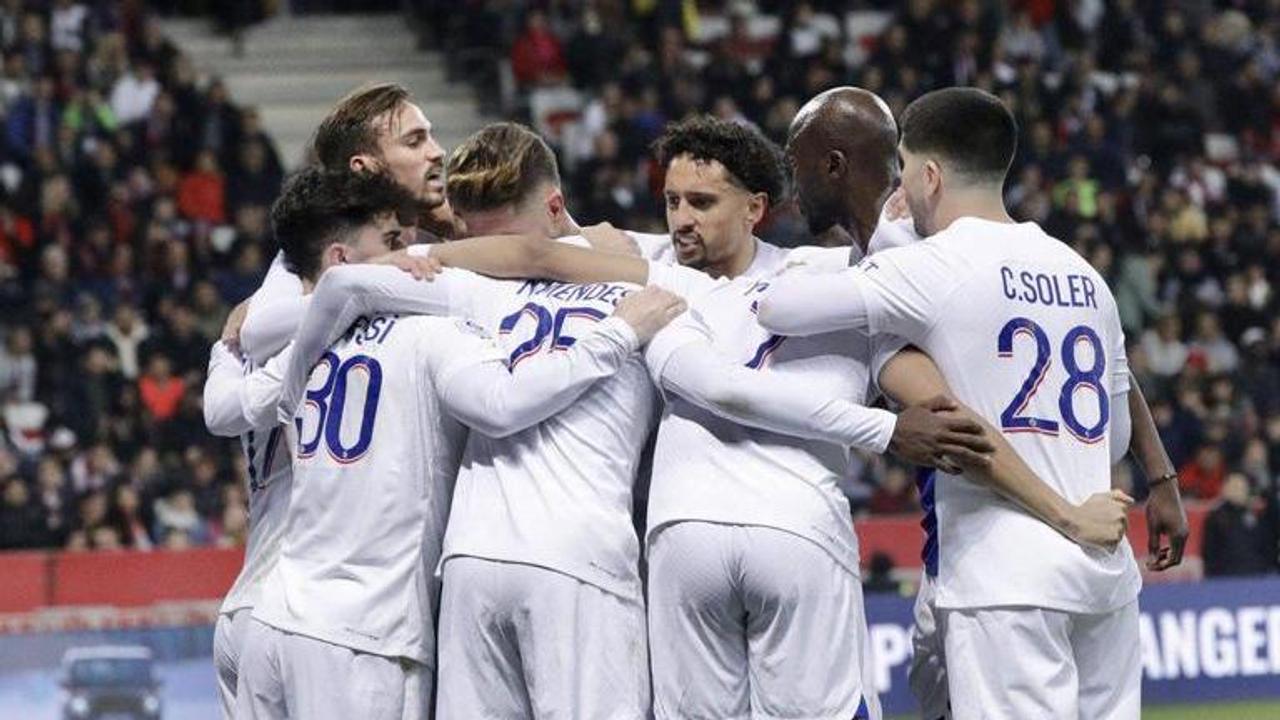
x=294, y=69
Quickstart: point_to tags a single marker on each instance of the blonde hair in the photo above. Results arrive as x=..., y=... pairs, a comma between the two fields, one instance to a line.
x=499, y=166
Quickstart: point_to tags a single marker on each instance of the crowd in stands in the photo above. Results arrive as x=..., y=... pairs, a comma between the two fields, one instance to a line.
x=1150, y=141
x=133, y=213
x=133, y=200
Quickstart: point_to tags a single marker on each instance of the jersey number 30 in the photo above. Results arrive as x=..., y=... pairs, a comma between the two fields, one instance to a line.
x=1011, y=419
x=329, y=404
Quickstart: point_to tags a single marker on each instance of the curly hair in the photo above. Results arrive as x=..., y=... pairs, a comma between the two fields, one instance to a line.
x=318, y=207
x=752, y=160
x=499, y=166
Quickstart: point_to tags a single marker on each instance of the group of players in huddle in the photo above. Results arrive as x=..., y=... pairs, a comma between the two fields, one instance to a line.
x=453, y=509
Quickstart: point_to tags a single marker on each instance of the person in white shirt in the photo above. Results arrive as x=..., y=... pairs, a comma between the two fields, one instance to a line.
x=1055, y=633
x=343, y=626
x=228, y=392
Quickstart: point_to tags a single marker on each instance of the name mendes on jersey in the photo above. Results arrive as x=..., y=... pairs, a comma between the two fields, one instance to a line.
x=609, y=293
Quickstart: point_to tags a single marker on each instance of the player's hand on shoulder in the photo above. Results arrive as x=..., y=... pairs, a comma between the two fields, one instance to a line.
x=939, y=433
x=420, y=267
x=231, y=328
x=896, y=208
x=1101, y=520
x=649, y=310
x=607, y=238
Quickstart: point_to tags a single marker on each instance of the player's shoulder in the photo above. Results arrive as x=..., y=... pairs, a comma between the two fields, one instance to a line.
x=817, y=258
x=654, y=246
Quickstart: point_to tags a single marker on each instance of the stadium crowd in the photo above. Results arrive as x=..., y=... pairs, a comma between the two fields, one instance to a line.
x=133, y=213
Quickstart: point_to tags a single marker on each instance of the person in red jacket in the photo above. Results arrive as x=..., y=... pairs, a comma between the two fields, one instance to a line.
x=202, y=192
x=161, y=392
x=537, y=57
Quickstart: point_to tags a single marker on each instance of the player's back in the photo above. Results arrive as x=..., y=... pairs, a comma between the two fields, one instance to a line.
x=558, y=494
x=375, y=458
x=1027, y=334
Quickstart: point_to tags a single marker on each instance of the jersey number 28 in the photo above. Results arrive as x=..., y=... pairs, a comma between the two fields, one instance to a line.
x=1011, y=419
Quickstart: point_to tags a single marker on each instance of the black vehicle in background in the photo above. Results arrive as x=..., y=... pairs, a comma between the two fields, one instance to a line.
x=109, y=681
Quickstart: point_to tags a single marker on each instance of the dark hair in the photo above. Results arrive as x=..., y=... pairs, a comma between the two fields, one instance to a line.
x=348, y=129
x=751, y=159
x=499, y=166
x=968, y=128
x=318, y=207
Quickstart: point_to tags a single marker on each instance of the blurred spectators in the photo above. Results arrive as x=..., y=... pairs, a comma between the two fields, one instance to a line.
x=1240, y=533
x=119, y=163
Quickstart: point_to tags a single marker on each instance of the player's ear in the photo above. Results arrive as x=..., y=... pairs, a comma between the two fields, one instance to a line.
x=932, y=177
x=757, y=204
x=837, y=163
x=555, y=204
x=362, y=162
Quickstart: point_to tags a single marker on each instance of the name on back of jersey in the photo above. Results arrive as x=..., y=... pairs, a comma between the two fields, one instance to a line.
x=370, y=331
x=1049, y=289
x=609, y=293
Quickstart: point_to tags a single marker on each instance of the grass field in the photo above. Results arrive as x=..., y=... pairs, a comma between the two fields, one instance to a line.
x=1217, y=711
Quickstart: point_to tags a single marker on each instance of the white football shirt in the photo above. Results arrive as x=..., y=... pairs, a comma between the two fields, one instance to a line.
x=268, y=462
x=1027, y=334
x=712, y=469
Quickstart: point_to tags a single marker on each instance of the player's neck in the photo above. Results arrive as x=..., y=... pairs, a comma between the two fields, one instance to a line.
x=735, y=264
x=981, y=203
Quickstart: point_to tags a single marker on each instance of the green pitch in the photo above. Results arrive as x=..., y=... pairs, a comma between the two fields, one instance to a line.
x=1216, y=711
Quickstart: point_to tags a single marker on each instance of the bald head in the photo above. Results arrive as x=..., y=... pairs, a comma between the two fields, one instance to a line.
x=843, y=148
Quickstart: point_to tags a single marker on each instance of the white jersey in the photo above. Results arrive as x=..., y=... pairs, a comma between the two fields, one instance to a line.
x=233, y=401
x=713, y=469
x=557, y=495
x=270, y=473
x=1027, y=334
x=375, y=456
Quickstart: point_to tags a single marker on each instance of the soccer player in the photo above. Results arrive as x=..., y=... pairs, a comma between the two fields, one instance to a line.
x=226, y=393
x=343, y=627
x=1063, y=617
x=733, y=390
x=378, y=128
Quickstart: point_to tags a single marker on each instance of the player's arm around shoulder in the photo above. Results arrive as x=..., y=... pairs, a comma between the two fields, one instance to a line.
x=944, y=434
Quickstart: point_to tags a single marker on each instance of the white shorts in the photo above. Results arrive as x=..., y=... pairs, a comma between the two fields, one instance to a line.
x=228, y=639
x=927, y=675
x=1021, y=663
x=519, y=641
x=283, y=675
x=753, y=622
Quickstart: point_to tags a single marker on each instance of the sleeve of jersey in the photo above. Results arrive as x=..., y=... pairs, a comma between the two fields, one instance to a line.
x=345, y=293
x=883, y=348
x=273, y=313
x=682, y=360
x=479, y=390
x=270, y=325
x=223, y=413
x=260, y=391
x=896, y=292
x=687, y=283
